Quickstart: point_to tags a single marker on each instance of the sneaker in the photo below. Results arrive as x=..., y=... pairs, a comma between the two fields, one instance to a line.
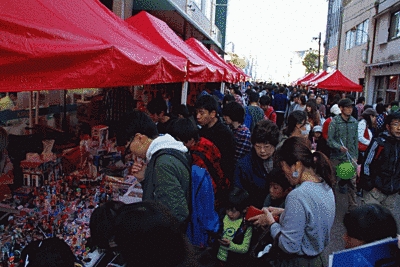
x=342, y=189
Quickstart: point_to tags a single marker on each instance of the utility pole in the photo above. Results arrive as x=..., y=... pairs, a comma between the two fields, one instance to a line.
x=319, y=49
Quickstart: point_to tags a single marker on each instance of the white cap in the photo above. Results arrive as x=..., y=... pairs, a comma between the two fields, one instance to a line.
x=317, y=129
x=335, y=109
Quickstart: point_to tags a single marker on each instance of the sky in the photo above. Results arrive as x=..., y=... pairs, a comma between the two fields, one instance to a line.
x=271, y=31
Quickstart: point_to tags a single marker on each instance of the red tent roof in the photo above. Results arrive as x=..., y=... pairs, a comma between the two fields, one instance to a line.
x=305, y=78
x=316, y=77
x=242, y=74
x=206, y=55
x=158, y=32
x=337, y=81
x=57, y=44
x=230, y=66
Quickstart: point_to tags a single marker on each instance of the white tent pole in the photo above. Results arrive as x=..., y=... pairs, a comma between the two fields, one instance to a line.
x=184, y=93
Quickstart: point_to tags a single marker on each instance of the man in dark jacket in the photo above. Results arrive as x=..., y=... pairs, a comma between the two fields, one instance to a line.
x=280, y=104
x=161, y=164
x=380, y=173
x=214, y=130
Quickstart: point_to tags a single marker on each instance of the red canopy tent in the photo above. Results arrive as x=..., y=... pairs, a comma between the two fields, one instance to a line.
x=337, y=81
x=305, y=78
x=56, y=44
x=157, y=31
x=316, y=77
x=206, y=55
x=243, y=75
x=230, y=66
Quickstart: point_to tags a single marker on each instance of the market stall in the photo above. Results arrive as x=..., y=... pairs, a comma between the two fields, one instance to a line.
x=236, y=74
x=304, y=78
x=312, y=79
x=206, y=55
x=338, y=82
x=157, y=31
x=52, y=45
x=59, y=193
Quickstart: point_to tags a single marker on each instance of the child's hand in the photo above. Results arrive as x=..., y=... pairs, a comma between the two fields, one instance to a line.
x=224, y=242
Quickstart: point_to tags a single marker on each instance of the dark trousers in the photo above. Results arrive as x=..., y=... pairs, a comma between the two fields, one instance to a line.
x=280, y=117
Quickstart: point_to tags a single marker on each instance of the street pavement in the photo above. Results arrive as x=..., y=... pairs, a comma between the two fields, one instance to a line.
x=336, y=242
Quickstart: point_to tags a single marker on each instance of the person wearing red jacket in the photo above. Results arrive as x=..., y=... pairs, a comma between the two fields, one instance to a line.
x=335, y=110
x=269, y=112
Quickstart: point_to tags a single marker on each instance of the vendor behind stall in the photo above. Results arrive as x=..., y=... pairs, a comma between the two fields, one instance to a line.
x=6, y=167
x=117, y=102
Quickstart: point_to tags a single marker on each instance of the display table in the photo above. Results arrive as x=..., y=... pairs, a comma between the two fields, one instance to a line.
x=62, y=209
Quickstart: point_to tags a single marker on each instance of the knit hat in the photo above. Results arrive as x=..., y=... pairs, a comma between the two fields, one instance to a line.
x=317, y=129
x=335, y=109
x=370, y=111
x=345, y=102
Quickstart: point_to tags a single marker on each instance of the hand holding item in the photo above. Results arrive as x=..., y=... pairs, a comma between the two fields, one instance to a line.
x=264, y=219
x=343, y=149
x=275, y=211
x=138, y=169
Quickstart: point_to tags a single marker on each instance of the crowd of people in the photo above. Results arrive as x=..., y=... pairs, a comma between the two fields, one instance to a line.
x=276, y=151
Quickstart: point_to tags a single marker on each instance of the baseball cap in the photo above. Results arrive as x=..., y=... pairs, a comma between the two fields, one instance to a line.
x=335, y=109
x=345, y=102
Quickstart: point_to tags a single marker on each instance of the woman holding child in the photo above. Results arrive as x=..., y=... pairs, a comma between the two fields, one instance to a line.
x=304, y=226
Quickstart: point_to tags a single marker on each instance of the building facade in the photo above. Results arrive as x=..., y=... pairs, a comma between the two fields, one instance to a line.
x=332, y=39
x=368, y=49
x=355, y=49
x=383, y=71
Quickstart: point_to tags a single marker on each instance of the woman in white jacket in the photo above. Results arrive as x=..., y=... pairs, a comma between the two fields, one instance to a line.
x=365, y=134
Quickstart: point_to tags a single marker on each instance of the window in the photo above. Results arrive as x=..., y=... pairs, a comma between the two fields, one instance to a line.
x=387, y=87
x=198, y=3
x=358, y=35
x=362, y=33
x=350, y=39
x=207, y=6
x=394, y=31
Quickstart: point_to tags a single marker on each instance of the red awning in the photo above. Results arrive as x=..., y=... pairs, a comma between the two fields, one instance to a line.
x=158, y=32
x=243, y=75
x=206, y=55
x=316, y=77
x=56, y=44
x=338, y=82
x=305, y=78
x=236, y=74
